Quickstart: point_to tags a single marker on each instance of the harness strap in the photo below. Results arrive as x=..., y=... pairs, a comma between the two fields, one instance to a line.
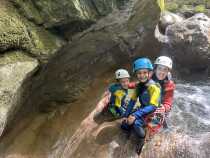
x=154, y=129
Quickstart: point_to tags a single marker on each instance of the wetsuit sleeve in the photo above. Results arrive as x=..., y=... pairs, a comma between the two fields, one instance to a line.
x=112, y=88
x=169, y=88
x=131, y=104
x=144, y=111
x=154, y=92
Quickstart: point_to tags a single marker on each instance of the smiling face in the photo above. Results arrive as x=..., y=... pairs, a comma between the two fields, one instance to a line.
x=124, y=82
x=143, y=75
x=161, y=72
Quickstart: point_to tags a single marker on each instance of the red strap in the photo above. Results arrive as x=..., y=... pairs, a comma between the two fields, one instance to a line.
x=153, y=130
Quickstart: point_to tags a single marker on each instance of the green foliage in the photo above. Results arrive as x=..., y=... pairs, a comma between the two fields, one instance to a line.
x=161, y=4
x=172, y=6
x=200, y=9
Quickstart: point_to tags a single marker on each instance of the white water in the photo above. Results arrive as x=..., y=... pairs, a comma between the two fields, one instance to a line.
x=191, y=109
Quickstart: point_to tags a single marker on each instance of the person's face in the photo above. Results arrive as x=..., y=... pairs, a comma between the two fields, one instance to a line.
x=161, y=72
x=124, y=82
x=143, y=75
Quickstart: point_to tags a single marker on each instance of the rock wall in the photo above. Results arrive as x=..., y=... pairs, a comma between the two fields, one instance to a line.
x=32, y=31
x=112, y=42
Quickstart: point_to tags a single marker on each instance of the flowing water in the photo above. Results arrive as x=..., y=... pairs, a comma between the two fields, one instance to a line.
x=191, y=112
x=70, y=131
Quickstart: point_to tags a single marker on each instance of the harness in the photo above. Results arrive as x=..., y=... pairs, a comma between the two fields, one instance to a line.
x=155, y=122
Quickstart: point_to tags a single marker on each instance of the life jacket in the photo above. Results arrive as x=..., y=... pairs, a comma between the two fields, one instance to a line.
x=145, y=91
x=119, y=97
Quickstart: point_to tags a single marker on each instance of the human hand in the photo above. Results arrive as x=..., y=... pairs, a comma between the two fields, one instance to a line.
x=131, y=119
x=124, y=120
x=160, y=110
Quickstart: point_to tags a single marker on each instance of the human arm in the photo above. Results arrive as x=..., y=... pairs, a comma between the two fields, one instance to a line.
x=167, y=100
x=144, y=111
x=104, y=102
x=129, y=109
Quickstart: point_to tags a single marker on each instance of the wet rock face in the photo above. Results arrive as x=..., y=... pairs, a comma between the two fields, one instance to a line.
x=66, y=15
x=111, y=42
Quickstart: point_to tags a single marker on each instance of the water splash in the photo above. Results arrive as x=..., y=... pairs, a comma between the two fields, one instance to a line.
x=191, y=110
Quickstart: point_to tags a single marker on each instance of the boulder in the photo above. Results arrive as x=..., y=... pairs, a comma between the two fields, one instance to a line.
x=15, y=68
x=187, y=42
x=168, y=18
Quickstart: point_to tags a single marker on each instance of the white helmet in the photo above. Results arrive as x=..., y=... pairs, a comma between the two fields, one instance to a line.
x=165, y=61
x=121, y=73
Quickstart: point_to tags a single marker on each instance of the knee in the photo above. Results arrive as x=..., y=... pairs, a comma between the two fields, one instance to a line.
x=125, y=126
x=140, y=131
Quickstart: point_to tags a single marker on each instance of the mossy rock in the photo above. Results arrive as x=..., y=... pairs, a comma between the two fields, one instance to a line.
x=14, y=57
x=13, y=33
x=45, y=44
x=28, y=10
x=17, y=33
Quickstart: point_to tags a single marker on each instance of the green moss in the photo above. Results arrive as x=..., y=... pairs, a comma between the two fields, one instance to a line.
x=13, y=33
x=17, y=33
x=13, y=57
x=27, y=9
x=44, y=42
